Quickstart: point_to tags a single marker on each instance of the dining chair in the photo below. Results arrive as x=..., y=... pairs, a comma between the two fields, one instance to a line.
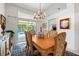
x=46, y=35
x=52, y=33
x=61, y=44
x=29, y=46
x=32, y=32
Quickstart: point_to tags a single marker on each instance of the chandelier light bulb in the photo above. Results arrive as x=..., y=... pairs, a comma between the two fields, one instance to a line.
x=40, y=14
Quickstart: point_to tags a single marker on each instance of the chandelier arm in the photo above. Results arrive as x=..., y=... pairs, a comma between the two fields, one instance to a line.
x=40, y=14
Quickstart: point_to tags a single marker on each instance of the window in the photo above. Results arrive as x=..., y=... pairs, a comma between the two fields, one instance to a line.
x=26, y=26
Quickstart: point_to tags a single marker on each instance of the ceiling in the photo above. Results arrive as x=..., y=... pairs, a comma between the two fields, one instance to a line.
x=49, y=8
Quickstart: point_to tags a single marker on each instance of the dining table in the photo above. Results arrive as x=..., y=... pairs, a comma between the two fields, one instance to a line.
x=44, y=45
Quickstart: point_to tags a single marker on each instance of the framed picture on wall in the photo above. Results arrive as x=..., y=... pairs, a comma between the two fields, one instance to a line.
x=65, y=23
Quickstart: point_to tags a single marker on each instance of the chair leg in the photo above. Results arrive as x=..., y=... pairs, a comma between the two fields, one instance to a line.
x=27, y=51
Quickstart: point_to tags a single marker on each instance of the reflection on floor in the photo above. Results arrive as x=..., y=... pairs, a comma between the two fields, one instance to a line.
x=19, y=50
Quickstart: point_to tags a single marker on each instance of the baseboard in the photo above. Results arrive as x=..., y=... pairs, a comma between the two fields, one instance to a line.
x=73, y=51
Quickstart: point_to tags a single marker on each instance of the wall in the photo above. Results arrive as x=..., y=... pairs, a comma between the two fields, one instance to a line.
x=23, y=13
x=2, y=8
x=67, y=13
x=11, y=22
x=77, y=26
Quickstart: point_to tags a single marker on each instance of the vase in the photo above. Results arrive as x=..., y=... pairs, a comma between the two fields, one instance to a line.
x=3, y=28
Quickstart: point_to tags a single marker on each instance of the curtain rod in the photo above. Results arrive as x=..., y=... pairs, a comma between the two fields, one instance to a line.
x=13, y=16
x=23, y=18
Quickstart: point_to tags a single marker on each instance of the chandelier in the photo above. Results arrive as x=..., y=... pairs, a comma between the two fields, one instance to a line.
x=40, y=14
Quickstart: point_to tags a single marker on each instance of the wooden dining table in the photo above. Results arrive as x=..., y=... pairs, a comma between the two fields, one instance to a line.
x=44, y=45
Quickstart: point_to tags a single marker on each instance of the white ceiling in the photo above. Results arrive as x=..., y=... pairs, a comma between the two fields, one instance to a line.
x=49, y=8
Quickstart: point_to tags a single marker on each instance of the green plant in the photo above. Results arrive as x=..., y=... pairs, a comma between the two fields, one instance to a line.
x=11, y=32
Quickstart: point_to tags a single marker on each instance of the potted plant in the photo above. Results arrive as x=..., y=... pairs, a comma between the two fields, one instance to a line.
x=11, y=32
